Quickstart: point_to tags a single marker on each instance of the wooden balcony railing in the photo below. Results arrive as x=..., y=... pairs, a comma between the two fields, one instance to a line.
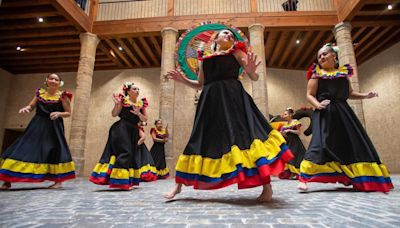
x=131, y=9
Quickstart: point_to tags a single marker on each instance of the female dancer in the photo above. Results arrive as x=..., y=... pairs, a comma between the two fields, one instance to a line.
x=291, y=131
x=160, y=137
x=146, y=158
x=340, y=149
x=230, y=141
x=120, y=165
x=41, y=153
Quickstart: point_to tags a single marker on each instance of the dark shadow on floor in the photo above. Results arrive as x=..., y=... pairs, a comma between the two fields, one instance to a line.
x=274, y=204
x=330, y=190
x=32, y=189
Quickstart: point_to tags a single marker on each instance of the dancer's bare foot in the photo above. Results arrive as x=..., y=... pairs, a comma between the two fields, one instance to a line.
x=302, y=186
x=5, y=186
x=266, y=194
x=174, y=192
x=56, y=185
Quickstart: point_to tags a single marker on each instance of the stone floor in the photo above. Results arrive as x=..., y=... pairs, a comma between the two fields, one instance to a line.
x=82, y=204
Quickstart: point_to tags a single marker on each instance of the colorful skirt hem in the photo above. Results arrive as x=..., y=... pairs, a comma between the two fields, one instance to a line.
x=247, y=168
x=364, y=176
x=19, y=171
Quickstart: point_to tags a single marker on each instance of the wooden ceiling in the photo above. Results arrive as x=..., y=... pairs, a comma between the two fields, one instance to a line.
x=54, y=46
x=49, y=46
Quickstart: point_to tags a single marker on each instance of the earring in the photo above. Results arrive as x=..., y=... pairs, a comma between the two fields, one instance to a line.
x=61, y=83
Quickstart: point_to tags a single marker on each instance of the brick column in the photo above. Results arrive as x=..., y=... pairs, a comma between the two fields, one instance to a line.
x=342, y=32
x=260, y=92
x=81, y=99
x=167, y=87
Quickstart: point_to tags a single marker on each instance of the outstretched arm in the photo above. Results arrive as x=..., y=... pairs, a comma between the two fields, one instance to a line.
x=179, y=77
x=357, y=95
x=248, y=62
x=29, y=107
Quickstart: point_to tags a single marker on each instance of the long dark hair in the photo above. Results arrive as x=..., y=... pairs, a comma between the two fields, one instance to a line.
x=214, y=45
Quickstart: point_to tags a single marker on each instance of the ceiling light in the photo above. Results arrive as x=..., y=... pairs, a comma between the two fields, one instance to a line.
x=18, y=48
x=297, y=41
x=390, y=7
x=40, y=19
x=120, y=48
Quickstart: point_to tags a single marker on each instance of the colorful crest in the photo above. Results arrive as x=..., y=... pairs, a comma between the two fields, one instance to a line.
x=198, y=38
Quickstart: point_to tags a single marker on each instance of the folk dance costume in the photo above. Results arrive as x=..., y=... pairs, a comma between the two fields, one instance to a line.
x=41, y=153
x=158, y=153
x=121, y=165
x=145, y=156
x=340, y=149
x=231, y=141
x=296, y=146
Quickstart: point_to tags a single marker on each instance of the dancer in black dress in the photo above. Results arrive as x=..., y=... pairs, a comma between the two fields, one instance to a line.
x=160, y=137
x=41, y=153
x=231, y=142
x=120, y=165
x=340, y=149
x=291, y=131
x=145, y=156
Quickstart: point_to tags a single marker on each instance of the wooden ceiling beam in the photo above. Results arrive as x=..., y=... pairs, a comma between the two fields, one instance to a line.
x=46, y=32
x=74, y=59
x=270, y=45
x=269, y=42
x=156, y=45
x=372, y=41
x=33, y=67
x=128, y=51
x=70, y=10
x=138, y=51
x=373, y=50
x=44, y=70
x=288, y=48
x=26, y=55
x=93, y=10
x=106, y=51
x=43, y=48
x=296, y=54
x=390, y=42
x=23, y=3
x=278, y=47
x=27, y=12
x=378, y=2
x=118, y=53
x=356, y=35
x=347, y=9
x=372, y=23
x=148, y=50
x=365, y=38
x=30, y=23
x=40, y=61
x=378, y=12
x=42, y=41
